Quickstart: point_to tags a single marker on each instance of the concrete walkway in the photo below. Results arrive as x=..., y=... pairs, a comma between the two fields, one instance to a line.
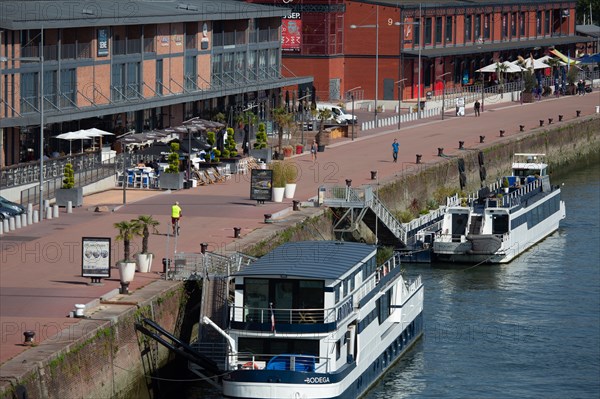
x=40, y=265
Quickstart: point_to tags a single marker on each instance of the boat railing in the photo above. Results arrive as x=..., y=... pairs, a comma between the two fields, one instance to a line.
x=282, y=316
x=371, y=282
x=286, y=362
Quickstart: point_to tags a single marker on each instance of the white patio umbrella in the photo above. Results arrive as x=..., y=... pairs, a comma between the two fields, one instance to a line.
x=98, y=133
x=547, y=57
x=506, y=67
x=531, y=63
x=78, y=135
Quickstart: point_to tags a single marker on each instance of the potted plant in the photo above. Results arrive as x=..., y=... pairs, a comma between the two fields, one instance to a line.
x=144, y=258
x=128, y=230
x=287, y=150
x=172, y=179
x=323, y=115
x=69, y=192
x=278, y=169
x=290, y=173
x=529, y=83
x=299, y=148
x=230, y=154
x=260, y=150
x=505, y=184
x=572, y=76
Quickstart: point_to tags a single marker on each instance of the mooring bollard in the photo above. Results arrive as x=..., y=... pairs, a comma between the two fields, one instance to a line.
x=55, y=212
x=69, y=206
x=419, y=156
x=502, y=133
x=373, y=175
x=550, y=121
x=36, y=216
x=124, y=290
x=268, y=218
x=578, y=112
x=295, y=205
x=461, y=145
x=348, y=182
x=29, y=337
x=203, y=247
x=236, y=232
x=521, y=128
x=541, y=122
x=481, y=139
x=440, y=151
x=560, y=118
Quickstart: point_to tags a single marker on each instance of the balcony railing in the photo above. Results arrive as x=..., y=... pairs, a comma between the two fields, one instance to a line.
x=75, y=51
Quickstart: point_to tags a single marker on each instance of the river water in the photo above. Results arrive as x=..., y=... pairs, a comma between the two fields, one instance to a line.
x=528, y=329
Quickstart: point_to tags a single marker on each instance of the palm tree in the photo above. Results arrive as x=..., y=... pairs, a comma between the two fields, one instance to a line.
x=146, y=223
x=128, y=230
x=323, y=115
x=284, y=119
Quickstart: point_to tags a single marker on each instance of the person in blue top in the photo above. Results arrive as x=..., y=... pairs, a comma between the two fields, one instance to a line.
x=395, y=148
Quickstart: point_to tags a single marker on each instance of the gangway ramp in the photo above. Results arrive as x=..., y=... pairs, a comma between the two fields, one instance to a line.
x=362, y=205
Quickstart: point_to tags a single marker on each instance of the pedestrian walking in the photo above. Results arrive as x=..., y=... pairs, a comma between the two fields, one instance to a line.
x=395, y=148
x=477, y=106
x=313, y=150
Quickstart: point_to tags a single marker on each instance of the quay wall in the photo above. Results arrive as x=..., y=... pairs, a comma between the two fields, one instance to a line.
x=106, y=357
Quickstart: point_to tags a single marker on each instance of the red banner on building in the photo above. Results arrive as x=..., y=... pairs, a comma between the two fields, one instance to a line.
x=291, y=34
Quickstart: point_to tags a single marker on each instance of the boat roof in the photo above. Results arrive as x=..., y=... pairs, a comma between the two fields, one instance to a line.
x=310, y=259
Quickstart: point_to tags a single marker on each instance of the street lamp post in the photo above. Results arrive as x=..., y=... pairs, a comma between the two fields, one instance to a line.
x=399, y=99
x=351, y=91
x=376, y=26
x=301, y=101
x=443, y=90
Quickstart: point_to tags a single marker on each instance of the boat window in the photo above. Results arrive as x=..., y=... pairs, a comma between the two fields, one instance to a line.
x=256, y=298
x=310, y=295
x=499, y=224
x=459, y=223
x=383, y=306
x=338, y=349
x=337, y=293
x=277, y=346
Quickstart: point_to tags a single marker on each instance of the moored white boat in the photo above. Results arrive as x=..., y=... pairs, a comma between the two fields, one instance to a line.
x=318, y=319
x=503, y=220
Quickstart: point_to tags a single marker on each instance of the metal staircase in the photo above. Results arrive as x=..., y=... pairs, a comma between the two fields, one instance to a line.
x=363, y=205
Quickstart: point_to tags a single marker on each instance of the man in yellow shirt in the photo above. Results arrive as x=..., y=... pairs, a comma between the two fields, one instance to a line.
x=175, y=216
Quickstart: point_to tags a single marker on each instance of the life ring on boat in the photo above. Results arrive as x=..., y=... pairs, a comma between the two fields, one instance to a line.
x=250, y=365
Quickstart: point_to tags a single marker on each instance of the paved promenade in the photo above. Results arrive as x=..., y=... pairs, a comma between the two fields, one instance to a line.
x=40, y=265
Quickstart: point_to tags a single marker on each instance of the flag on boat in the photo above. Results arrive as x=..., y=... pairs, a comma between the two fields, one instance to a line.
x=272, y=319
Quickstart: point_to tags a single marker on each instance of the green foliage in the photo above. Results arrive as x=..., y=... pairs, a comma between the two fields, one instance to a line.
x=146, y=224
x=290, y=172
x=220, y=117
x=404, y=216
x=261, y=137
x=432, y=204
x=322, y=115
x=529, y=81
x=230, y=144
x=383, y=254
x=278, y=168
x=211, y=138
x=173, y=159
x=572, y=75
x=217, y=153
x=128, y=230
x=442, y=193
x=69, y=176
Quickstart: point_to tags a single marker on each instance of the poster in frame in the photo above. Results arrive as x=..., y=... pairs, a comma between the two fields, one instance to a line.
x=95, y=257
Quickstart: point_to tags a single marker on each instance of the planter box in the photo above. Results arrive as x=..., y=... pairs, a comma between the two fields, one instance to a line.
x=527, y=97
x=207, y=165
x=321, y=148
x=264, y=154
x=170, y=181
x=64, y=195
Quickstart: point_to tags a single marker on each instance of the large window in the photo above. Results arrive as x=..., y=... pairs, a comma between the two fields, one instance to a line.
x=261, y=347
x=428, y=27
x=486, y=26
x=513, y=25
x=505, y=25
x=468, y=28
x=29, y=92
x=538, y=22
x=448, y=30
x=547, y=22
x=50, y=92
x=522, y=24
x=417, y=32
x=125, y=84
x=438, y=29
x=68, y=88
x=190, y=73
x=477, y=30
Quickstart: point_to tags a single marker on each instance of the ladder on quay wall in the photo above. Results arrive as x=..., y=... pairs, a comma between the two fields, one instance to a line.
x=363, y=205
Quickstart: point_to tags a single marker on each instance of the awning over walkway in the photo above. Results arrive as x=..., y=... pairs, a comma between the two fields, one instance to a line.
x=491, y=47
